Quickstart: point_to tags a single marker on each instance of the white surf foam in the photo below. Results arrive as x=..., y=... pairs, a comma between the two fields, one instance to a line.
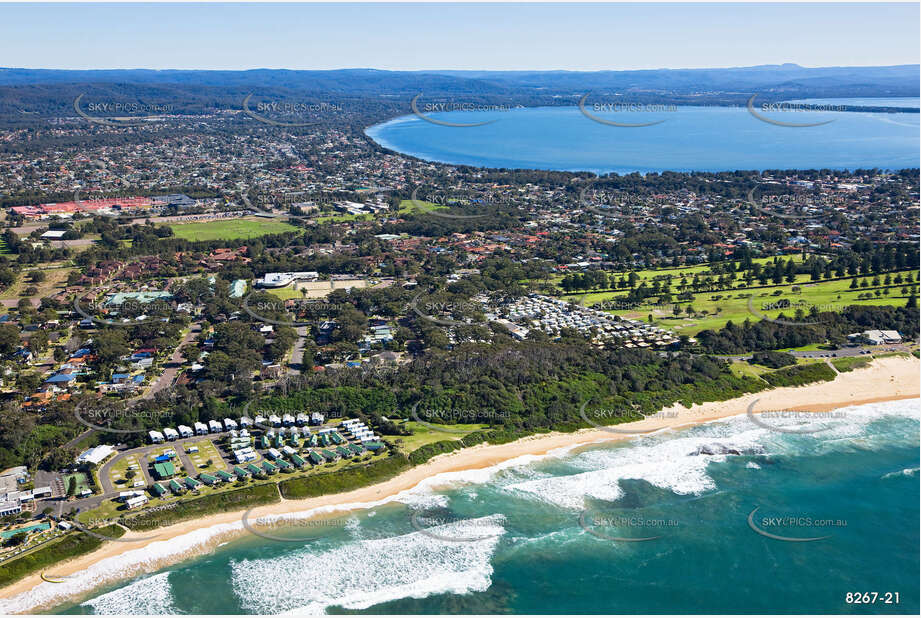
x=130, y=564
x=364, y=573
x=151, y=595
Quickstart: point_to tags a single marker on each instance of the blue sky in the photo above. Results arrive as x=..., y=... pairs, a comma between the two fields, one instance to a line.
x=455, y=36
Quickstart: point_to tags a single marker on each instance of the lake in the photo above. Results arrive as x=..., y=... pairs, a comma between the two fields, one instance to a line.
x=686, y=139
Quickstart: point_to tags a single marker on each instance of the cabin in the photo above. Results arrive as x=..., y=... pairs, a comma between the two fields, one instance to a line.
x=230, y=424
x=164, y=470
x=175, y=487
x=185, y=431
x=269, y=467
x=191, y=483
x=136, y=501
x=207, y=479
x=315, y=458
x=246, y=422
x=170, y=434
x=301, y=419
x=155, y=437
x=224, y=476
x=214, y=426
x=287, y=420
x=241, y=472
x=158, y=490
x=274, y=420
x=200, y=429
x=297, y=460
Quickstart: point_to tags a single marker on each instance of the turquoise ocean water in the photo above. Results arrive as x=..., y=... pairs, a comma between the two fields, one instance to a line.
x=561, y=534
x=688, y=138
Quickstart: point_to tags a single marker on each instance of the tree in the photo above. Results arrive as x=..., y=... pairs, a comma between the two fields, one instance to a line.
x=72, y=487
x=9, y=338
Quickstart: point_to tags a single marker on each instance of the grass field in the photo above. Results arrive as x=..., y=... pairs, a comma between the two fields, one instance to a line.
x=711, y=310
x=55, y=280
x=419, y=206
x=206, y=451
x=118, y=472
x=423, y=435
x=230, y=229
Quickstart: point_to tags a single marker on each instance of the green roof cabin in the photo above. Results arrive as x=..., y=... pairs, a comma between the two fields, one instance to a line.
x=158, y=490
x=164, y=470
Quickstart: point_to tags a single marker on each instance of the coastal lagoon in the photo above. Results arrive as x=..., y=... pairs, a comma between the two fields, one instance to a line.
x=686, y=139
x=663, y=523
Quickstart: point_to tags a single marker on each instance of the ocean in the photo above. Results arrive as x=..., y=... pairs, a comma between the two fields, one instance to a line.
x=683, y=521
x=687, y=138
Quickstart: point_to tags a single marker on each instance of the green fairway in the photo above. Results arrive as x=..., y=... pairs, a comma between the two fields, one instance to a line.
x=230, y=229
x=711, y=310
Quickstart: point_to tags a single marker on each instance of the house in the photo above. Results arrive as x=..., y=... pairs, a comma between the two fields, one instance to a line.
x=155, y=436
x=170, y=434
x=200, y=428
x=136, y=501
x=95, y=455
x=214, y=426
x=185, y=431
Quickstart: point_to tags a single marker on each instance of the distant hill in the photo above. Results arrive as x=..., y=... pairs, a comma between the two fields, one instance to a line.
x=52, y=91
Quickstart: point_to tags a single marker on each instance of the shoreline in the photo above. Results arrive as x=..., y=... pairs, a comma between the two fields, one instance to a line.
x=885, y=379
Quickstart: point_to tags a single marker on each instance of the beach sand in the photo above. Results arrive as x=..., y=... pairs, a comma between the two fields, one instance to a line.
x=885, y=379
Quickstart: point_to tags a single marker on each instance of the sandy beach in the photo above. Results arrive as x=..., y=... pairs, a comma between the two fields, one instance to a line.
x=885, y=379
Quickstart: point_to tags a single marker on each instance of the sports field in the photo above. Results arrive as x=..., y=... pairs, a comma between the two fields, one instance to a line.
x=230, y=229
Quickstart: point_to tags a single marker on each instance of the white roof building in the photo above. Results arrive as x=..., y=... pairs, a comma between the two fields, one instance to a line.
x=95, y=455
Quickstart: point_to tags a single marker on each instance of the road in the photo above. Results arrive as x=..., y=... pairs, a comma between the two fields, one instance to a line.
x=296, y=363
x=839, y=353
x=141, y=453
x=172, y=366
